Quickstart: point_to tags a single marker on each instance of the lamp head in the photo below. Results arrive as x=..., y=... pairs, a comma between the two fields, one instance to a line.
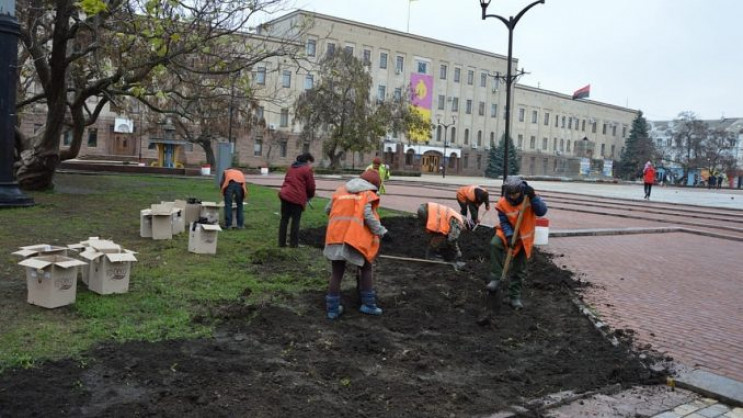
x=484, y=4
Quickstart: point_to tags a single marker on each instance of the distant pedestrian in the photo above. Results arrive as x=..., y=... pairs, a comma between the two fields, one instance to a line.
x=648, y=176
x=233, y=187
x=382, y=169
x=720, y=179
x=296, y=191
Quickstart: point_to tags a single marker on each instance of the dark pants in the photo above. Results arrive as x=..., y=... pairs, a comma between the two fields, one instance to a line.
x=648, y=188
x=233, y=189
x=290, y=211
x=517, y=270
x=473, y=209
x=339, y=269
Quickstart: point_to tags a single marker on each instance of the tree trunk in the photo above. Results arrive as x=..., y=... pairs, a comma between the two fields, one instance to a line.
x=35, y=170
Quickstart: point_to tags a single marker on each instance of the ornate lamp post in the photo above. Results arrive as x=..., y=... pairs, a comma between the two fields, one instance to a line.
x=446, y=127
x=511, y=25
x=10, y=194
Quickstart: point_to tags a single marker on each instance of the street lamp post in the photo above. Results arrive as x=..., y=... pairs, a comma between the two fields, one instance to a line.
x=446, y=127
x=10, y=193
x=511, y=25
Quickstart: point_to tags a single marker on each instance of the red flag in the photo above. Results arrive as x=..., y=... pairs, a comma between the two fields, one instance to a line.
x=582, y=92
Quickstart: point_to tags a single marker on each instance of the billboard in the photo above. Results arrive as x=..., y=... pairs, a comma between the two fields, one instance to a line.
x=421, y=101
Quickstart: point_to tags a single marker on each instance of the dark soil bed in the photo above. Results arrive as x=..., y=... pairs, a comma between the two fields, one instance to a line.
x=430, y=354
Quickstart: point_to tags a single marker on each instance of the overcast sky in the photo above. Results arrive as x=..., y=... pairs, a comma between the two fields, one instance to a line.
x=660, y=56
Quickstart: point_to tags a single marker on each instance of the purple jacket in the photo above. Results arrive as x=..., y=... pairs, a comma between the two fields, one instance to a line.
x=299, y=184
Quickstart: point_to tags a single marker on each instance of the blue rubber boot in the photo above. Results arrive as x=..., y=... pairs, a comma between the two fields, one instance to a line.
x=333, y=306
x=369, y=303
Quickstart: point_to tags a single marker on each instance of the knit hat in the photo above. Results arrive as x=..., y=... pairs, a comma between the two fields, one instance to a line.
x=513, y=184
x=377, y=161
x=372, y=177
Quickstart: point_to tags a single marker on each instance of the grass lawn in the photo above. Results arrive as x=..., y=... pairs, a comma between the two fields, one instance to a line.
x=169, y=286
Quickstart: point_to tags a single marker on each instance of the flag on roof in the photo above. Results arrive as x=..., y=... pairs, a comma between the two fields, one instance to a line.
x=582, y=92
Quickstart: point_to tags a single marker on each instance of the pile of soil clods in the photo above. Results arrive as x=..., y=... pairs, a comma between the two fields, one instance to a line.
x=426, y=356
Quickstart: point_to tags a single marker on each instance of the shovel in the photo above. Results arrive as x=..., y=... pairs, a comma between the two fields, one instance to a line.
x=497, y=294
x=456, y=264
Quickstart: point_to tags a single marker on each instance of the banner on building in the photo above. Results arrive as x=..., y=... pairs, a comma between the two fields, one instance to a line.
x=608, y=167
x=421, y=99
x=582, y=93
x=585, y=166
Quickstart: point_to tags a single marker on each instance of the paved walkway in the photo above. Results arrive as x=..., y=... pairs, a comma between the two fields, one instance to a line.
x=681, y=293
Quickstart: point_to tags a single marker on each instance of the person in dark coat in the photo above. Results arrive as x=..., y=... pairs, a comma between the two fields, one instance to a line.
x=296, y=191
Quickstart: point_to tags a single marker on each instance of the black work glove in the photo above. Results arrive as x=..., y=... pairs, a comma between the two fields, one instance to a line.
x=529, y=191
x=387, y=237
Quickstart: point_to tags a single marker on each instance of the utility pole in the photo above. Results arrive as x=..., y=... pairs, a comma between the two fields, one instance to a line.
x=10, y=193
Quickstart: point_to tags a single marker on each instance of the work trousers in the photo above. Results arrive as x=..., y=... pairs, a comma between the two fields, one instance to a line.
x=517, y=271
x=290, y=212
x=234, y=189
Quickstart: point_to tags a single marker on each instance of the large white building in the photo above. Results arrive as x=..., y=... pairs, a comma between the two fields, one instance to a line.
x=552, y=132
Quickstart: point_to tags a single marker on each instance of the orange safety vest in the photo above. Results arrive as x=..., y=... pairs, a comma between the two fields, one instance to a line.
x=346, y=223
x=467, y=193
x=235, y=175
x=439, y=218
x=528, y=224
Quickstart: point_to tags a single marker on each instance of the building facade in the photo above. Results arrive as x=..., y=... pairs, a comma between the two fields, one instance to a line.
x=554, y=135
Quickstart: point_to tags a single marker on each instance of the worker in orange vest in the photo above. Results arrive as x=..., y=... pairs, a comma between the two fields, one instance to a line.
x=352, y=236
x=508, y=207
x=444, y=225
x=472, y=197
x=233, y=186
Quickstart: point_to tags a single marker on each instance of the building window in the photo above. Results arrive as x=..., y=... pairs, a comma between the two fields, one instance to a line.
x=438, y=133
x=311, y=47
x=479, y=138
x=570, y=123
x=409, y=157
x=457, y=74
x=453, y=135
x=593, y=128
x=532, y=141
x=470, y=77
x=92, y=138
x=442, y=101
x=522, y=114
x=260, y=76
x=284, y=119
x=583, y=125
x=442, y=72
x=398, y=94
x=309, y=82
x=544, y=143
x=259, y=113
x=554, y=144
x=557, y=121
x=331, y=49
x=562, y=144
x=67, y=138
x=381, y=92
x=603, y=131
x=483, y=80
x=546, y=118
x=348, y=50
x=492, y=139
x=624, y=131
x=367, y=57
x=481, y=109
x=614, y=130
x=466, y=136
x=455, y=104
x=258, y=147
x=567, y=146
x=383, y=60
x=603, y=150
x=479, y=162
x=422, y=67
x=282, y=149
x=533, y=116
x=468, y=107
x=286, y=78
x=493, y=110
x=399, y=64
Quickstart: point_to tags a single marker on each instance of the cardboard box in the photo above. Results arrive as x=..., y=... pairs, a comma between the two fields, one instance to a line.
x=177, y=220
x=82, y=246
x=202, y=238
x=162, y=221
x=210, y=211
x=191, y=211
x=110, y=268
x=145, y=223
x=39, y=250
x=51, y=280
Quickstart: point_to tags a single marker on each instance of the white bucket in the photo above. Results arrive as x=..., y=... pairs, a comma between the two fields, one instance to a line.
x=264, y=171
x=206, y=170
x=542, y=232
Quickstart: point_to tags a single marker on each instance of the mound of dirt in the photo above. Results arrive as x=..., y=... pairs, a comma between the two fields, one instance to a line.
x=428, y=355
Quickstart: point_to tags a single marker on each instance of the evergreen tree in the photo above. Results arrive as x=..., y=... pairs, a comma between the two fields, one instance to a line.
x=495, y=159
x=638, y=149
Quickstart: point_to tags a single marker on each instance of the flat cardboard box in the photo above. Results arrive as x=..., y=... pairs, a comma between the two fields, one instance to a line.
x=39, y=250
x=51, y=280
x=109, y=270
x=191, y=211
x=210, y=211
x=145, y=223
x=162, y=221
x=202, y=238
